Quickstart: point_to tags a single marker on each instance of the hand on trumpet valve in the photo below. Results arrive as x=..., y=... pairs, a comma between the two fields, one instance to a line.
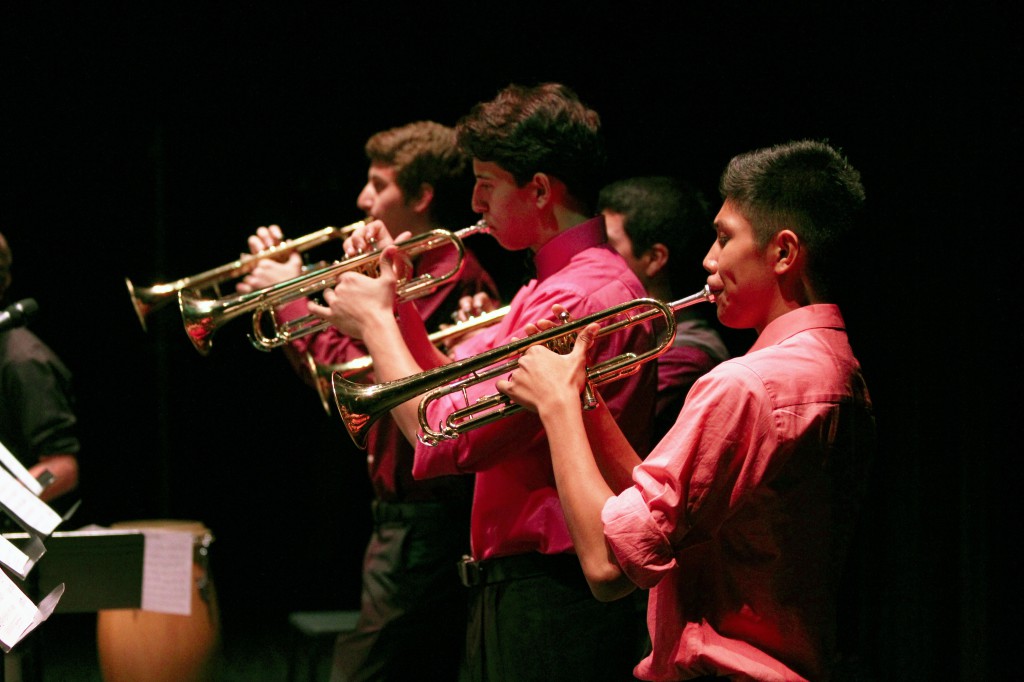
x=269, y=271
x=265, y=238
x=370, y=237
x=474, y=306
x=562, y=344
x=546, y=380
x=357, y=301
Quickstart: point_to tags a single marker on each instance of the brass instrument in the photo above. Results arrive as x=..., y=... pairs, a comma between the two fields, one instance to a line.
x=147, y=299
x=322, y=374
x=204, y=316
x=361, y=405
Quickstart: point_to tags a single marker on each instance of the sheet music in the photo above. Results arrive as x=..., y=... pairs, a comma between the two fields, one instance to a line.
x=18, y=614
x=19, y=497
x=25, y=506
x=167, y=571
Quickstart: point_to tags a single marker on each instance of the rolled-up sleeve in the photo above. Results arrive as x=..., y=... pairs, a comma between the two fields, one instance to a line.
x=642, y=550
x=693, y=479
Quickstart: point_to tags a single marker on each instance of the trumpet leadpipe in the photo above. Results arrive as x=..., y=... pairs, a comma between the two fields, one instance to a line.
x=321, y=374
x=362, y=405
x=366, y=263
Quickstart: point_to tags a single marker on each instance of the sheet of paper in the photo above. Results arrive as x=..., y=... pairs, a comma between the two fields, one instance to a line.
x=18, y=469
x=21, y=561
x=25, y=506
x=167, y=572
x=18, y=615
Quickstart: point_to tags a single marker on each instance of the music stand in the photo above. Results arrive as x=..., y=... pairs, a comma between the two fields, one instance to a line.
x=101, y=569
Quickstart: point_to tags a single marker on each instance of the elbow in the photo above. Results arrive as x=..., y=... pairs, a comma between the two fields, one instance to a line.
x=608, y=583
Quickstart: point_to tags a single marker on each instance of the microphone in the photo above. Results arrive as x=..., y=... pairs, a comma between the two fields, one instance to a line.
x=18, y=314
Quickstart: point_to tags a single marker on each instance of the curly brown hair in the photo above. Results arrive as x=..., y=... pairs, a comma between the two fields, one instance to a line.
x=539, y=129
x=425, y=152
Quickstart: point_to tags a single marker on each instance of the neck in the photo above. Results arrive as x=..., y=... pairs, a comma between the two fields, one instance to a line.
x=555, y=222
x=569, y=212
x=422, y=224
x=658, y=288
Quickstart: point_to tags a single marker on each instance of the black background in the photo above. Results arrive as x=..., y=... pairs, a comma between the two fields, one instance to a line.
x=147, y=140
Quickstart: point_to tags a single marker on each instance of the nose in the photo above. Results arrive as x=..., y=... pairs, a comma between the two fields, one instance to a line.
x=477, y=203
x=364, y=202
x=711, y=259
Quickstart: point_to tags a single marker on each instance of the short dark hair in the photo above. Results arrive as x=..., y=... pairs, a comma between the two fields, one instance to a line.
x=806, y=186
x=426, y=152
x=663, y=210
x=539, y=129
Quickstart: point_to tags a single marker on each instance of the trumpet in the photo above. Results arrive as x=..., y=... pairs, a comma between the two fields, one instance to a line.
x=322, y=374
x=147, y=299
x=204, y=316
x=361, y=405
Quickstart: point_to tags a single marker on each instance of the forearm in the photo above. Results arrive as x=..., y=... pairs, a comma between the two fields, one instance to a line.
x=614, y=455
x=414, y=331
x=583, y=492
x=389, y=344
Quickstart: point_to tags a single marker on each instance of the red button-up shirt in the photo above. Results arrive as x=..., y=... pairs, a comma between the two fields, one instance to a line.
x=389, y=454
x=515, y=504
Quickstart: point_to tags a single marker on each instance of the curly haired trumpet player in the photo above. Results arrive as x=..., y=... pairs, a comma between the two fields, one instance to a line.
x=538, y=158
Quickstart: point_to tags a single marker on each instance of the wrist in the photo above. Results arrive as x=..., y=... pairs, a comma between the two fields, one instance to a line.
x=558, y=406
x=379, y=322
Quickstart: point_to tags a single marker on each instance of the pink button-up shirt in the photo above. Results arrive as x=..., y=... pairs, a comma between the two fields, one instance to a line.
x=515, y=504
x=738, y=520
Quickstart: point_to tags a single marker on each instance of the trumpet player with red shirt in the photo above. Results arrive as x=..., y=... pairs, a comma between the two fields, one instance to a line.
x=412, y=607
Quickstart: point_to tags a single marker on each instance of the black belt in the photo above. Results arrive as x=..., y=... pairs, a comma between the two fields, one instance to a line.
x=517, y=567
x=400, y=512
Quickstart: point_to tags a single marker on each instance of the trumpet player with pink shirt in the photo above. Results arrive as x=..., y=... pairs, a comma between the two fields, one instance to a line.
x=738, y=521
x=538, y=158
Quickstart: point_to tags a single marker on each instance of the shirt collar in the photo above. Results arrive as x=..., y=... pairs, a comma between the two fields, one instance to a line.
x=557, y=253
x=795, y=321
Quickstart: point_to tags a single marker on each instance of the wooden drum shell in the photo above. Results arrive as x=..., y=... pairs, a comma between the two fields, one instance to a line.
x=136, y=645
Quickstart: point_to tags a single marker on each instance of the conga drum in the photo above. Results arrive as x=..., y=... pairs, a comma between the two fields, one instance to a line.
x=136, y=645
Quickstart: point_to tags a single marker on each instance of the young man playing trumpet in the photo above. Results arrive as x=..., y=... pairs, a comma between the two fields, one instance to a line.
x=738, y=521
x=413, y=607
x=538, y=158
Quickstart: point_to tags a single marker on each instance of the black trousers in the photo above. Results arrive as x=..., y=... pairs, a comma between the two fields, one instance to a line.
x=412, y=618
x=533, y=618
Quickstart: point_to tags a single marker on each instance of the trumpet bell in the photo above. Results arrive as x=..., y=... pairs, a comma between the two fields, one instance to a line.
x=202, y=317
x=145, y=300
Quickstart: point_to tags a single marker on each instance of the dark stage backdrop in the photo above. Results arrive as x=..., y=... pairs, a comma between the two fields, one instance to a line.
x=148, y=140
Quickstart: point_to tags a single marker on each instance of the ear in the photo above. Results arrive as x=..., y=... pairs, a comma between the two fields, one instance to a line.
x=655, y=259
x=542, y=186
x=422, y=201
x=785, y=249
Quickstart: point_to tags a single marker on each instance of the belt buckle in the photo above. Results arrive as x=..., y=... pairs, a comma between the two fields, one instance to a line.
x=470, y=573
